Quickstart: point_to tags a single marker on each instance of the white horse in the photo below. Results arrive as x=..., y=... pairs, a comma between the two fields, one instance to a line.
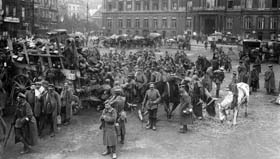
x=243, y=100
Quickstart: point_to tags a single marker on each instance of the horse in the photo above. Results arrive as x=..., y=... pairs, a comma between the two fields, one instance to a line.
x=170, y=97
x=243, y=100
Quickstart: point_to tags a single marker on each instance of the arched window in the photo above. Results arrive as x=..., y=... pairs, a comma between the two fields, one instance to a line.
x=260, y=23
x=248, y=22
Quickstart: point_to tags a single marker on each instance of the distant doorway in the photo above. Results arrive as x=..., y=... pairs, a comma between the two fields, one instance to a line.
x=209, y=26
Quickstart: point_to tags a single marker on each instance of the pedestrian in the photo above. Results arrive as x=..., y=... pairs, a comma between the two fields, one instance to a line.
x=207, y=79
x=219, y=76
x=3, y=133
x=234, y=80
x=197, y=93
x=51, y=109
x=118, y=104
x=258, y=64
x=25, y=124
x=151, y=99
x=269, y=80
x=66, y=107
x=242, y=71
x=108, y=120
x=185, y=110
x=30, y=96
x=254, y=78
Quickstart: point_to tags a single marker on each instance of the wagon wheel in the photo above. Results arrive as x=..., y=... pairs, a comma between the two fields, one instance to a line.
x=20, y=84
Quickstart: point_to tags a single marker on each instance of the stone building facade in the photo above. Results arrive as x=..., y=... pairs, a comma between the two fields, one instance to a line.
x=247, y=18
x=140, y=17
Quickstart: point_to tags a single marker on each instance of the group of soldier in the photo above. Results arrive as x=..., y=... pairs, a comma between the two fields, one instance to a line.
x=127, y=78
x=41, y=108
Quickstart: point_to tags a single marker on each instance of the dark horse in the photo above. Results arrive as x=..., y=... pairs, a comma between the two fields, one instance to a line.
x=170, y=96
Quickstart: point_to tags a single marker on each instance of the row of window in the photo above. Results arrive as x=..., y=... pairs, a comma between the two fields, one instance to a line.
x=146, y=4
x=260, y=23
x=145, y=23
x=211, y=4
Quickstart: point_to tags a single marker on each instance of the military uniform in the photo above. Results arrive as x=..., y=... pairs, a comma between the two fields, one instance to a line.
x=218, y=79
x=254, y=79
x=51, y=108
x=185, y=110
x=196, y=98
x=269, y=80
x=118, y=104
x=151, y=99
x=25, y=125
x=108, y=119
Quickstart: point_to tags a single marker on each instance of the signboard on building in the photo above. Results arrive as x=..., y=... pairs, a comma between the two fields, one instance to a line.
x=11, y=20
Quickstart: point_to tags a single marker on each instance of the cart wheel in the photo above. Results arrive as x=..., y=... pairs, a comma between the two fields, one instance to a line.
x=21, y=83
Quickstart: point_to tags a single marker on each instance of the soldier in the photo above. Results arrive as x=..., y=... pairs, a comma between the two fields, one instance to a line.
x=197, y=92
x=269, y=80
x=207, y=79
x=66, y=100
x=3, y=132
x=218, y=79
x=254, y=78
x=108, y=120
x=234, y=80
x=185, y=110
x=140, y=80
x=242, y=71
x=51, y=109
x=30, y=96
x=118, y=104
x=151, y=99
x=25, y=124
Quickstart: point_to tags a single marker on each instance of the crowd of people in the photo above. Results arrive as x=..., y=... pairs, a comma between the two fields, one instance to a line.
x=126, y=79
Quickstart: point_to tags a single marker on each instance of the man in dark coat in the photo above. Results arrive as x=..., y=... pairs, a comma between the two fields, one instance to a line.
x=108, y=120
x=254, y=78
x=185, y=110
x=25, y=124
x=258, y=64
x=242, y=71
x=218, y=78
x=118, y=104
x=51, y=108
x=151, y=100
x=269, y=80
x=66, y=106
x=196, y=97
x=30, y=96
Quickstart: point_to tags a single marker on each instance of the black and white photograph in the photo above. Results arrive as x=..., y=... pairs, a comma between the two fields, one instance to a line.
x=139, y=79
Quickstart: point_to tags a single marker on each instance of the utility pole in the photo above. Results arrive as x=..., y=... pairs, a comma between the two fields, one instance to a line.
x=87, y=29
x=33, y=17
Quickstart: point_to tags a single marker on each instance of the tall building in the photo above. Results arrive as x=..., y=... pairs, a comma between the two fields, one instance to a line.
x=140, y=17
x=76, y=9
x=16, y=18
x=247, y=18
x=45, y=15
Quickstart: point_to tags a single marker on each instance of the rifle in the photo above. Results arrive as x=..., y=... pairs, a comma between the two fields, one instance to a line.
x=10, y=130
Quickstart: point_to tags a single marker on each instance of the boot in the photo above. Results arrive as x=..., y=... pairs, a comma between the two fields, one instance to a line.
x=181, y=130
x=154, y=124
x=122, y=139
x=107, y=152
x=149, y=124
x=114, y=155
